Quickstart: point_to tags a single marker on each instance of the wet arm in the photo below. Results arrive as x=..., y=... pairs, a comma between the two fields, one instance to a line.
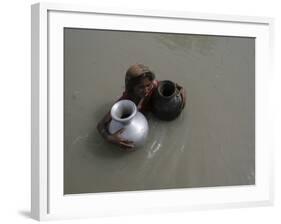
x=114, y=138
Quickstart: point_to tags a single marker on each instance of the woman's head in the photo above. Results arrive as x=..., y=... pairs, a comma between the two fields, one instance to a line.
x=138, y=80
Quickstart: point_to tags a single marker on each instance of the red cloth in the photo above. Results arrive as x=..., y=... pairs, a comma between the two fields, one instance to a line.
x=146, y=105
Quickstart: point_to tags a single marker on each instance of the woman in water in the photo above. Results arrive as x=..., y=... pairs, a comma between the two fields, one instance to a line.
x=140, y=85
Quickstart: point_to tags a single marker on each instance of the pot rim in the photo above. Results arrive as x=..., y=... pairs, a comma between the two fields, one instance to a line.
x=162, y=83
x=123, y=102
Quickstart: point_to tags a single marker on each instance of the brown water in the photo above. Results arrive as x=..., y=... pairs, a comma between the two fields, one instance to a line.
x=212, y=143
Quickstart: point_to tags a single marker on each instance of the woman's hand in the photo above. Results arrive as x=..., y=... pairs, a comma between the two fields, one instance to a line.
x=116, y=138
x=182, y=94
x=112, y=138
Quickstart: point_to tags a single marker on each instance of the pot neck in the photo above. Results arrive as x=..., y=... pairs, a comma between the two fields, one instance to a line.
x=123, y=111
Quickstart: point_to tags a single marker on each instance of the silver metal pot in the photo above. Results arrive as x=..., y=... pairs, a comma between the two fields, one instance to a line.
x=125, y=115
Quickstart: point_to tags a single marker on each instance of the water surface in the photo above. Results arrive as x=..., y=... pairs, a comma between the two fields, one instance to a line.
x=212, y=143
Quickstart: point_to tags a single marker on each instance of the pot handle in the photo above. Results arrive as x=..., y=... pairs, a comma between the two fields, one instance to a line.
x=177, y=92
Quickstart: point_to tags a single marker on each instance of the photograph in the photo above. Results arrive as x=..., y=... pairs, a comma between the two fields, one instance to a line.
x=157, y=111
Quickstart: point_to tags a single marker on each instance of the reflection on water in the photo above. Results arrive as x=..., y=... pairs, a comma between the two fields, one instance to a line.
x=210, y=144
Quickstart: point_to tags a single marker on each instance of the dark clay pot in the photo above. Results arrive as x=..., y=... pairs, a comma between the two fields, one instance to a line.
x=167, y=102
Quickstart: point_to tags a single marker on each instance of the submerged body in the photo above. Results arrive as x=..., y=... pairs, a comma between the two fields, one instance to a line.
x=140, y=86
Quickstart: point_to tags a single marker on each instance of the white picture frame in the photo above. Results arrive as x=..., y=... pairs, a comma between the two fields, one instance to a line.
x=48, y=201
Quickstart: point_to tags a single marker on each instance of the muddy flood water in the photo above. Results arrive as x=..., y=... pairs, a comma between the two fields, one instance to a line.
x=212, y=142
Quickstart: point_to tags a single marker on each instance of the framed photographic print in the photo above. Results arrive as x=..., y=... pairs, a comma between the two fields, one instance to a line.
x=138, y=111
